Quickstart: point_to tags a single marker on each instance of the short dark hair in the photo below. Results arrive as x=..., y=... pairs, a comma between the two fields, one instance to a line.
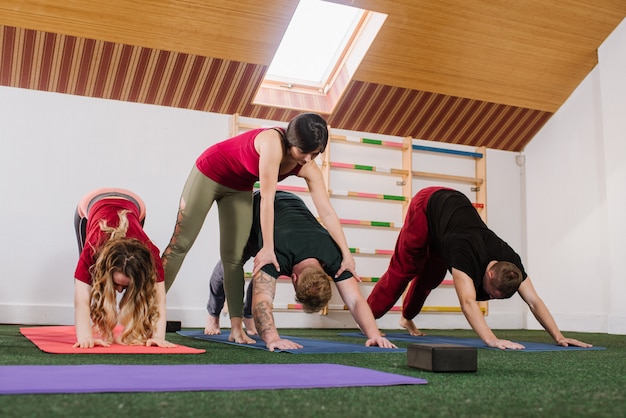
x=507, y=278
x=308, y=131
x=313, y=289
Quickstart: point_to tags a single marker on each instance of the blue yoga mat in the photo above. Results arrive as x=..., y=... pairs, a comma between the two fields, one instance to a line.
x=472, y=342
x=101, y=378
x=310, y=346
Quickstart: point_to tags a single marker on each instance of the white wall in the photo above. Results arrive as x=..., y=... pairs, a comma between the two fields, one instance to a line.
x=54, y=148
x=575, y=176
x=612, y=68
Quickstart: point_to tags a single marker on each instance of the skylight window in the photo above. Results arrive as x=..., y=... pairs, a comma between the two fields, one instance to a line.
x=320, y=51
x=315, y=39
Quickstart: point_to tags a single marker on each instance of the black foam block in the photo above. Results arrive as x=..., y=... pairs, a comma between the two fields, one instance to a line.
x=442, y=357
x=172, y=326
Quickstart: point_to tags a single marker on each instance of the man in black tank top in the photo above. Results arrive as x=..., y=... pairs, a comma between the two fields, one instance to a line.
x=443, y=232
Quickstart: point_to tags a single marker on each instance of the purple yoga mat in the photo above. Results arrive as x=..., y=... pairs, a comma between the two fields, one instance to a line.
x=175, y=378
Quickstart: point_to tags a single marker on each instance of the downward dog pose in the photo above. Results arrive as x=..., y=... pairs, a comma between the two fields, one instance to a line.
x=306, y=251
x=443, y=231
x=116, y=255
x=225, y=173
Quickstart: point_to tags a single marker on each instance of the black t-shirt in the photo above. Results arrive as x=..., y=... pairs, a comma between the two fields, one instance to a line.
x=463, y=240
x=297, y=236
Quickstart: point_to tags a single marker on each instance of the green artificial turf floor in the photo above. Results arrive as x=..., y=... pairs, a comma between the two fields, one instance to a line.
x=507, y=384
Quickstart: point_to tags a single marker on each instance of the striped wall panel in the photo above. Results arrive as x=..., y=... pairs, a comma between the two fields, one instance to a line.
x=86, y=67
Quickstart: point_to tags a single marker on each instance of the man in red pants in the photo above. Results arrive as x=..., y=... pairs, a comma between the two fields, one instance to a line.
x=442, y=231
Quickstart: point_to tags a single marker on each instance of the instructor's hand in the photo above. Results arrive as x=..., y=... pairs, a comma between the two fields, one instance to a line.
x=264, y=257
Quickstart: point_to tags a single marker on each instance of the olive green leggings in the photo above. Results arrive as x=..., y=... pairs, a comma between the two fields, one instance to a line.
x=235, y=220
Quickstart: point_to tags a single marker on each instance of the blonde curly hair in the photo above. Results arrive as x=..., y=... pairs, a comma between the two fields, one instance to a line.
x=138, y=312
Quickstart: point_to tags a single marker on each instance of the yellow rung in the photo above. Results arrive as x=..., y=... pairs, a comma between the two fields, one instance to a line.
x=442, y=309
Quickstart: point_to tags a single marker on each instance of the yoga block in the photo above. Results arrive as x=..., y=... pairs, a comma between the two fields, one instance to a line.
x=442, y=357
x=172, y=326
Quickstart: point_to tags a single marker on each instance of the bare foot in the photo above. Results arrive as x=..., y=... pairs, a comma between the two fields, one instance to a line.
x=410, y=326
x=250, y=327
x=212, y=326
x=237, y=333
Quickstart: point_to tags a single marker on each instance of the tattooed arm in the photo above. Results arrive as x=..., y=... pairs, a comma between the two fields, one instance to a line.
x=263, y=293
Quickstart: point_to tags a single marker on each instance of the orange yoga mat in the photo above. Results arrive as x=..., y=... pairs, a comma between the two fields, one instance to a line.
x=60, y=339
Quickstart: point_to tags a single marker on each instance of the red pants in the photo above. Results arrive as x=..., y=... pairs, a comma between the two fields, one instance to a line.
x=412, y=262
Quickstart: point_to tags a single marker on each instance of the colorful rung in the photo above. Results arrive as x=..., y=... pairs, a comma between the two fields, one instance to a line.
x=435, y=309
x=286, y=188
x=298, y=307
x=368, y=141
x=370, y=279
x=425, y=309
x=372, y=251
x=366, y=223
x=447, y=151
x=302, y=189
x=248, y=275
x=368, y=168
x=369, y=195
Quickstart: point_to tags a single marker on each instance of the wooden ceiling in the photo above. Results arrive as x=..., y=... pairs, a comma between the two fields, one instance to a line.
x=479, y=73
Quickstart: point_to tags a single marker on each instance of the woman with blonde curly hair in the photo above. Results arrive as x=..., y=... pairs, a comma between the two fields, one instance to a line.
x=116, y=256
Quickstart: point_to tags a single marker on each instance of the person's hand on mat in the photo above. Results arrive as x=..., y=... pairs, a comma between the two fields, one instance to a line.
x=282, y=344
x=264, y=257
x=381, y=342
x=504, y=344
x=90, y=342
x=159, y=342
x=570, y=341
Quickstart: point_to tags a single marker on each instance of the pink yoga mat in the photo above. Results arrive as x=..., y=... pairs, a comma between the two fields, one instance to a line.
x=60, y=339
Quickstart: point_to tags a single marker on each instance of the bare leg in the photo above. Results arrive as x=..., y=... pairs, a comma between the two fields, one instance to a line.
x=250, y=327
x=409, y=325
x=237, y=334
x=212, y=326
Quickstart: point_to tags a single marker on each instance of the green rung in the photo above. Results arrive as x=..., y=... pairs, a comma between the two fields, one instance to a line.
x=377, y=223
x=392, y=197
x=371, y=141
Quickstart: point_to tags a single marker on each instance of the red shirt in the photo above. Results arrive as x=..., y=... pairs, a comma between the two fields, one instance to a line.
x=107, y=209
x=234, y=162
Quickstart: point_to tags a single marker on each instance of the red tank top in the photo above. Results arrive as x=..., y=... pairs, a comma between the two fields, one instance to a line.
x=234, y=162
x=107, y=209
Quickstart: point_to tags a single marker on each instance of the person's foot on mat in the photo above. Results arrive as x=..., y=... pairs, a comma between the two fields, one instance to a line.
x=237, y=334
x=248, y=323
x=409, y=325
x=212, y=326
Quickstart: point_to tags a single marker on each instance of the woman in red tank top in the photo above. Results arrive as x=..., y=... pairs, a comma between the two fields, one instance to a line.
x=225, y=173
